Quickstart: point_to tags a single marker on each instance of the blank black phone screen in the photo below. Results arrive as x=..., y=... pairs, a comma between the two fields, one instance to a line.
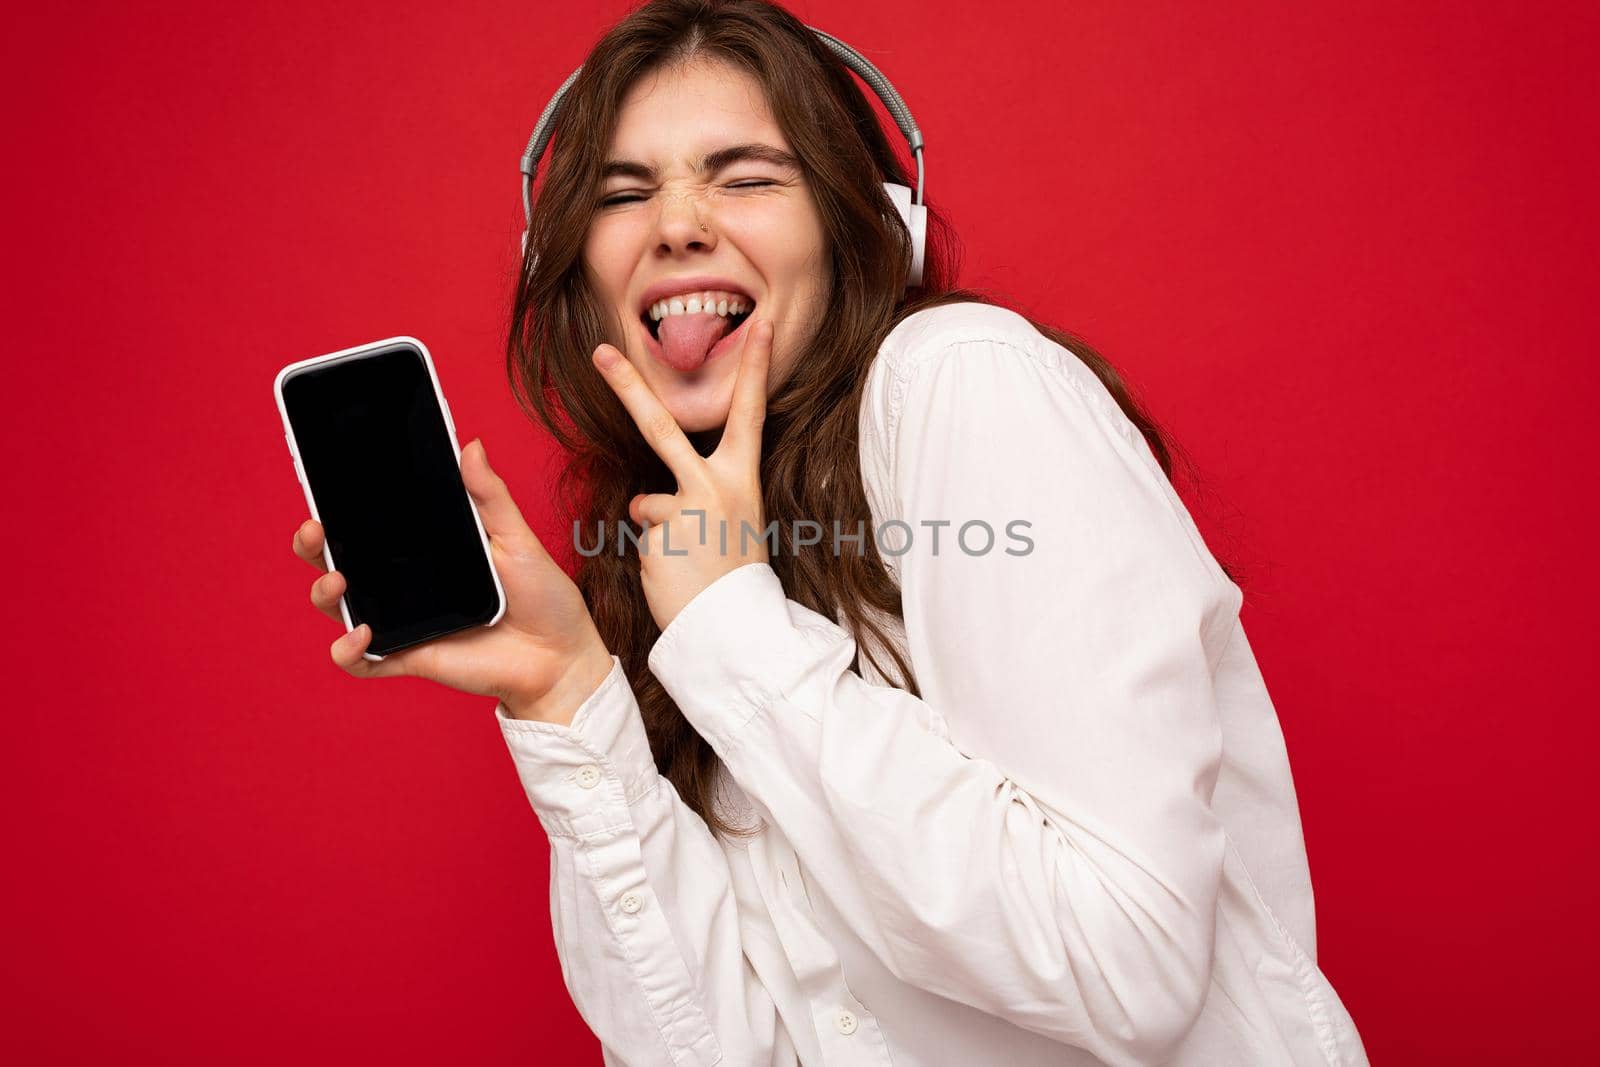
x=382, y=468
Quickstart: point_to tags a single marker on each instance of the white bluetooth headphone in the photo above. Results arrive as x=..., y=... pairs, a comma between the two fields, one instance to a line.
x=911, y=212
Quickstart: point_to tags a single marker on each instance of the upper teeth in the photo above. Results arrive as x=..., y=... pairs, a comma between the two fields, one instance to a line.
x=712, y=301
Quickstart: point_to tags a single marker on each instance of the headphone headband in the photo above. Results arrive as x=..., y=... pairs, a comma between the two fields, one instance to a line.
x=911, y=211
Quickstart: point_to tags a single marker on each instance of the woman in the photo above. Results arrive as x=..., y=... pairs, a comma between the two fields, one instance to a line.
x=998, y=784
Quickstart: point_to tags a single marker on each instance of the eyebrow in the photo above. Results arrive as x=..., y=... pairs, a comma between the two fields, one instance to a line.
x=711, y=163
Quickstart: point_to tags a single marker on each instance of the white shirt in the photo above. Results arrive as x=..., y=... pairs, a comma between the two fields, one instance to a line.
x=1081, y=847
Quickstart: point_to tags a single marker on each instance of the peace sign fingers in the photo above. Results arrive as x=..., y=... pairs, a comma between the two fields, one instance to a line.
x=661, y=431
x=748, y=411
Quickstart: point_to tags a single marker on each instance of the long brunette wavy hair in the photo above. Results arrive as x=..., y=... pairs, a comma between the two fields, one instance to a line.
x=810, y=466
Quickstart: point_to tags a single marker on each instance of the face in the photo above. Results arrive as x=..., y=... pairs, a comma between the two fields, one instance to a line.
x=690, y=224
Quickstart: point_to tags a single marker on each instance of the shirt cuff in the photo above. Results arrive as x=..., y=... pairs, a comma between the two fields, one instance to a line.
x=581, y=778
x=738, y=646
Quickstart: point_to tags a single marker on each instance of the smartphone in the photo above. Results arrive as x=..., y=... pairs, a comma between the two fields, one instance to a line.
x=375, y=450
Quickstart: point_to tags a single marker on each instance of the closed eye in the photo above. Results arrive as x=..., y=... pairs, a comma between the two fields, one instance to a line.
x=629, y=198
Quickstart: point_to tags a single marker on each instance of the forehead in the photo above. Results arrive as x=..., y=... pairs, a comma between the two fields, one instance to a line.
x=672, y=116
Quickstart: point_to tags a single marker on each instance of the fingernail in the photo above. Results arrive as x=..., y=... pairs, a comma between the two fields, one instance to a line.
x=606, y=357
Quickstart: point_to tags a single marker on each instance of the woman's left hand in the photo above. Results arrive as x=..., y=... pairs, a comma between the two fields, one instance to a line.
x=698, y=534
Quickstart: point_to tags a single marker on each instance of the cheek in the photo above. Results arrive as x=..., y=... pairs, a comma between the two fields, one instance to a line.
x=609, y=268
x=610, y=251
x=785, y=244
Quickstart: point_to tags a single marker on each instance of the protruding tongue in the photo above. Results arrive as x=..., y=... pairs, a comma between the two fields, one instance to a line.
x=686, y=340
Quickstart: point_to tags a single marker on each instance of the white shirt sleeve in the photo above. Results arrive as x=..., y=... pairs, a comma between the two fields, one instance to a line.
x=1034, y=838
x=641, y=905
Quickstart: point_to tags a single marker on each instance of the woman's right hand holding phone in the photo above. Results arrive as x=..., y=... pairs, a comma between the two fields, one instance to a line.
x=543, y=658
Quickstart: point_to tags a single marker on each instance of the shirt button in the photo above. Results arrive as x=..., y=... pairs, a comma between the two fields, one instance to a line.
x=588, y=775
x=631, y=902
x=845, y=1021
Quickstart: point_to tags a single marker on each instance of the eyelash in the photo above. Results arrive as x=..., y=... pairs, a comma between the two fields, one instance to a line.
x=748, y=183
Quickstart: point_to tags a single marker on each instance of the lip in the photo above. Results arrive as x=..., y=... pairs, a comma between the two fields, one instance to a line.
x=727, y=344
x=691, y=284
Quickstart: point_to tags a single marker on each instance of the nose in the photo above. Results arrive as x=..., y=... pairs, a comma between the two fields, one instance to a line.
x=683, y=224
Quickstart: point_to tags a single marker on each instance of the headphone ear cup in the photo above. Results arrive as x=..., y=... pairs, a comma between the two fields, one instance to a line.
x=915, y=217
x=919, y=243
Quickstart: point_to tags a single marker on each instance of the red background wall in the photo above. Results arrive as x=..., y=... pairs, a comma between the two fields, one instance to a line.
x=1346, y=252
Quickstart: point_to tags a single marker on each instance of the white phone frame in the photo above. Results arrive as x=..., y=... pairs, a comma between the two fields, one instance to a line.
x=450, y=425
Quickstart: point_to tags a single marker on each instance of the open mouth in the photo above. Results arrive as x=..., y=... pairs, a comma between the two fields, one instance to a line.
x=653, y=326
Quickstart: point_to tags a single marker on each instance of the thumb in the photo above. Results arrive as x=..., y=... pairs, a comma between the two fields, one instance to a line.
x=502, y=519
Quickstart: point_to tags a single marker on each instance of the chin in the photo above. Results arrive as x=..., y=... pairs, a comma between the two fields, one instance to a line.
x=697, y=402
x=697, y=407
x=698, y=419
